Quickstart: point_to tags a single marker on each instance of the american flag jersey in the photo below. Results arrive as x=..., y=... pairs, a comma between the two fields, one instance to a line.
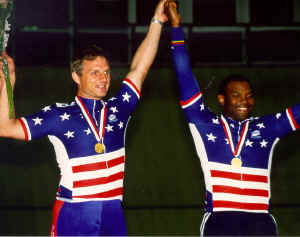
x=85, y=174
x=229, y=188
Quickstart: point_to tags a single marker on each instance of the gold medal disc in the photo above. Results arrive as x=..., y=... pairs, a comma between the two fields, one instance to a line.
x=236, y=162
x=99, y=148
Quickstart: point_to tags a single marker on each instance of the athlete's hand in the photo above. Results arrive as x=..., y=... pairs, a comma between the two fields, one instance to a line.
x=173, y=15
x=11, y=69
x=160, y=13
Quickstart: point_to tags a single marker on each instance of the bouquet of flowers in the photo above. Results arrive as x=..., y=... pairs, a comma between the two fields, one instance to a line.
x=6, y=7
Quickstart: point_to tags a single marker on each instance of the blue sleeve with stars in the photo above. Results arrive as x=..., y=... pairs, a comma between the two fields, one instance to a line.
x=191, y=98
x=41, y=123
x=285, y=122
x=127, y=98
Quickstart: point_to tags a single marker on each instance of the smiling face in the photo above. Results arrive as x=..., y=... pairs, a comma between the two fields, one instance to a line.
x=94, y=81
x=237, y=100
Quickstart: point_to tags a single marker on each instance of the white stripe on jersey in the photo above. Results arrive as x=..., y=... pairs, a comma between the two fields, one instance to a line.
x=97, y=188
x=229, y=168
x=239, y=209
x=97, y=158
x=98, y=173
x=240, y=198
x=289, y=116
x=240, y=184
x=132, y=88
x=27, y=128
x=63, y=162
x=202, y=155
x=192, y=101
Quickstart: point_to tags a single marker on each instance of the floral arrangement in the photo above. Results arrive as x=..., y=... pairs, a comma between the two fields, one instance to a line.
x=6, y=7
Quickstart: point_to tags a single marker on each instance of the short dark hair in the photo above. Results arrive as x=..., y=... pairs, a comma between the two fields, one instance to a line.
x=89, y=53
x=230, y=78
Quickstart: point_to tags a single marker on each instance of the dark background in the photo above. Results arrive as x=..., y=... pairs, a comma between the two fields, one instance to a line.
x=164, y=188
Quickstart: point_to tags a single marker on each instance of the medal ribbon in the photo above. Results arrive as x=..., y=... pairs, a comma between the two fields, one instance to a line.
x=237, y=151
x=99, y=134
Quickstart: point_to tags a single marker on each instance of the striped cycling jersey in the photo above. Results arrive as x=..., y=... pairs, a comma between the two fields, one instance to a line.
x=72, y=129
x=219, y=139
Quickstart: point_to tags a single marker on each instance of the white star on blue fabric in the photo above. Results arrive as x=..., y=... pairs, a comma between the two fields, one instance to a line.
x=114, y=109
x=263, y=143
x=126, y=97
x=69, y=134
x=112, y=98
x=87, y=131
x=109, y=128
x=121, y=124
x=278, y=115
x=37, y=121
x=46, y=108
x=65, y=116
x=211, y=137
x=202, y=106
x=216, y=121
x=260, y=125
x=249, y=143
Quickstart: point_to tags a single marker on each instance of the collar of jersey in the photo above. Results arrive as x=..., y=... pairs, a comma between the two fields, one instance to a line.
x=235, y=122
x=91, y=103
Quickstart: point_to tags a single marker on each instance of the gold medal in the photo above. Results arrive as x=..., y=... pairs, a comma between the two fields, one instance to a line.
x=236, y=162
x=99, y=148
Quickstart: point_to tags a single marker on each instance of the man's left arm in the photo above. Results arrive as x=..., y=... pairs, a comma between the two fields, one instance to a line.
x=147, y=51
x=293, y=115
x=285, y=122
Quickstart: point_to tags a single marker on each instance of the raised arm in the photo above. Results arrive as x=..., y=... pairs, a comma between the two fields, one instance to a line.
x=189, y=87
x=191, y=99
x=9, y=127
x=146, y=52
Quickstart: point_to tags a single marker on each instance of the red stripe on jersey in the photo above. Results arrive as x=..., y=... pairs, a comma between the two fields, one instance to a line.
x=292, y=118
x=98, y=181
x=107, y=194
x=238, y=176
x=239, y=205
x=55, y=213
x=226, y=175
x=240, y=191
x=255, y=178
x=24, y=129
x=133, y=85
x=98, y=165
x=116, y=161
x=183, y=103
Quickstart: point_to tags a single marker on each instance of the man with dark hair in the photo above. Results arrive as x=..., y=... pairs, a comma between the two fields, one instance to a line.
x=88, y=137
x=235, y=149
x=233, y=77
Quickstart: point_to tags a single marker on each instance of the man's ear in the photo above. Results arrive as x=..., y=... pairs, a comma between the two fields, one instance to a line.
x=76, y=78
x=221, y=99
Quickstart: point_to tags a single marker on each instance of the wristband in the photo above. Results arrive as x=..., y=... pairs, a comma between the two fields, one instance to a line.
x=157, y=21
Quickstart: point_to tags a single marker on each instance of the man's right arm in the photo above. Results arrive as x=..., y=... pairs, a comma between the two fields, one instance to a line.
x=9, y=127
x=191, y=98
x=189, y=87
